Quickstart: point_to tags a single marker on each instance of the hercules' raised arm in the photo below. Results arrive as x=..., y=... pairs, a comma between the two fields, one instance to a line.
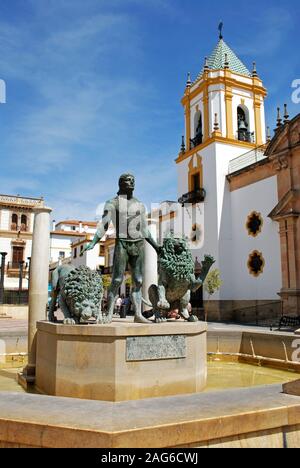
x=101, y=228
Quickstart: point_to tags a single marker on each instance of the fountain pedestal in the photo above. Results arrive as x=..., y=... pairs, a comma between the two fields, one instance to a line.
x=122, y=360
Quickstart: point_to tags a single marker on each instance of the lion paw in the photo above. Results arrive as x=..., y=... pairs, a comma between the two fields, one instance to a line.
x=193, y=318
x=69, y=321
x=164, y=305
x=103, y=320
x=160, y=320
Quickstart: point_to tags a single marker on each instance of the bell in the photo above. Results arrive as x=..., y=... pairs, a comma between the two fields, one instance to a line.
x=242, y=126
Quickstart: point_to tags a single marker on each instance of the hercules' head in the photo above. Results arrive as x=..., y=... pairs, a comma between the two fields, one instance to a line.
x=126, y=183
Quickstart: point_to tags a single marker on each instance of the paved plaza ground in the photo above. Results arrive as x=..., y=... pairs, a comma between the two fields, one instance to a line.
x=18, y=325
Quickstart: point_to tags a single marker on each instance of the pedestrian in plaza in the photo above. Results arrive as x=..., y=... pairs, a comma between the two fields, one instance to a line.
x=119, y=304
x=124, y=307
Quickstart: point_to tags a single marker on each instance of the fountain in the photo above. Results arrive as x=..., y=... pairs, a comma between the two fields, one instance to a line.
x=139, y=384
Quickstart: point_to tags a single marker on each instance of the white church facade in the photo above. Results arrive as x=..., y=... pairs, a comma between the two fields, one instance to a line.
x=228, y=187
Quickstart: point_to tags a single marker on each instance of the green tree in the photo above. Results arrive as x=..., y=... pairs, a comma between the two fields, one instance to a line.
x=212, y=284
x=128, y=281
x=106, y=281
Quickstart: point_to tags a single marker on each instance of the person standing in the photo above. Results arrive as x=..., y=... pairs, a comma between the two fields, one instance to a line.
x=119, y=304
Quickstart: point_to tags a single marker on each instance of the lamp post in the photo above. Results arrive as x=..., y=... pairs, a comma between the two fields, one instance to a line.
x=3, y=255
x=21, y=265
x=29, y=267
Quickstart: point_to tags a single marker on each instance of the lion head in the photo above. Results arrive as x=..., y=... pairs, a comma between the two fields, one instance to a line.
x=83, y=291
x=176, y=258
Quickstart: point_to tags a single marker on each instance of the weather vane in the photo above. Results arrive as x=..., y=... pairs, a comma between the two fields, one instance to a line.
x=221, y=29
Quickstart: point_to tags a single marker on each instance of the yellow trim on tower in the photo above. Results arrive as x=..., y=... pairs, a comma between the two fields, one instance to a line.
x=206, y=132
x=214, y=139
x=257, y=115
x=195, y=170
x=188, y=122
x=229, y=113
x=255, y=87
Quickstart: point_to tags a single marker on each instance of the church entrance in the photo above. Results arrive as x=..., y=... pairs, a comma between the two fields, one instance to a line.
x=17, y=256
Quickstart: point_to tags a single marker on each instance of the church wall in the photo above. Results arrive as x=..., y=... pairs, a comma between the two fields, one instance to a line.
x=260, y=197
x=182, y=177
x=263, y=119
x=225, y=153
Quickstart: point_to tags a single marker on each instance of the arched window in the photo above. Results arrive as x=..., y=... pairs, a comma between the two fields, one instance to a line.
x=243, y=124
x=24, y=223
x=198, y=130
x=195, y=174
x=14, y=222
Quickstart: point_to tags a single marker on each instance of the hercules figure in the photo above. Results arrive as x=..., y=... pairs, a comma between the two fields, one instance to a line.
x=129, y=218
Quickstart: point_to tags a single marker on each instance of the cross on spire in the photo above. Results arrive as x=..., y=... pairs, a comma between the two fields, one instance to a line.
x=221, y=29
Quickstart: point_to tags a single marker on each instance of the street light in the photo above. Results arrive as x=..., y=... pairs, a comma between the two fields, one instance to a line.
x=3, y=255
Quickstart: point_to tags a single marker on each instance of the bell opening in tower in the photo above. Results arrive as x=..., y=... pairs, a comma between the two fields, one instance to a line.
x=198, y=138
x=243, y=125
x=196, y=182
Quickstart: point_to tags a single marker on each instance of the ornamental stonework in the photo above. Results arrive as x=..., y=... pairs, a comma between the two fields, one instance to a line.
x=256, y=263
x=254, y=224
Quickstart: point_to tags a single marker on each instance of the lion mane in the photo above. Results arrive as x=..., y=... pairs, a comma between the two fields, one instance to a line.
x=178, y=265
x=82, y=291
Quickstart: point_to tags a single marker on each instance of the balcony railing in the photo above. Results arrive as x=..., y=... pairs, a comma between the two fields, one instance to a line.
x=15, y=200
x=13, y=269
x=15, y=297
x=247, y=159
x=16, y=265
x=196, y=196
x=16, y=228
x=196, y=141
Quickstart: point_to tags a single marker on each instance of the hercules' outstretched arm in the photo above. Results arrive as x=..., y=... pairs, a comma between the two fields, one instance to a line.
x=102, y=227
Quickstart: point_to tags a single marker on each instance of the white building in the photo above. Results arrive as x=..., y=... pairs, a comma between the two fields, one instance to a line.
x=223, y=215
x=65, y=233
x=16, y=225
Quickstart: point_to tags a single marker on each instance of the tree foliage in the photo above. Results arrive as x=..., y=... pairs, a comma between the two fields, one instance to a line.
x=213, y=282
x=106, y=279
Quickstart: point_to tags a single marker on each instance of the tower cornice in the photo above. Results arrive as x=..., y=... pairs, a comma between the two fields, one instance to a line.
x=215, y=139
x=255, y=85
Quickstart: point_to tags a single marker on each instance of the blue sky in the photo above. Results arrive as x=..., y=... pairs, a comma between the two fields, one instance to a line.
x=94, y=88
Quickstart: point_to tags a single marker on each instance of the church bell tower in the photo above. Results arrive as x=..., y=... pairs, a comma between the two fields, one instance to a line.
x=224, y=119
